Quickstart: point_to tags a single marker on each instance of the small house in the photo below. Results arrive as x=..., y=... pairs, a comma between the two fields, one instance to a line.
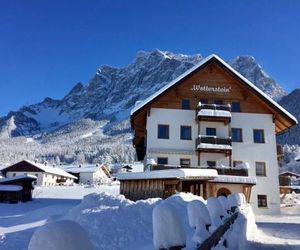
x=46, y=175
x=16, y=188
x=88, y=174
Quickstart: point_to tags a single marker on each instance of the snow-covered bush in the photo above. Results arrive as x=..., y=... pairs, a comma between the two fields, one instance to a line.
x=167, y=228
x=232, y=201
x=199, y=218
x=224, y=202
x=241, y=199
x=216, y=211
x=60, y=235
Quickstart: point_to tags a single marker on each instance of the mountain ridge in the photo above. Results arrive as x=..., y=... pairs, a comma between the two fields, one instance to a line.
x=109, y=96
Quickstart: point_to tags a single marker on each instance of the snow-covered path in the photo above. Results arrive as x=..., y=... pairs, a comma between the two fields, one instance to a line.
x=278, y=232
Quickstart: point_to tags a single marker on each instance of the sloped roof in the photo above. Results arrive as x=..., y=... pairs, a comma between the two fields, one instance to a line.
x=82, y=169
x=48, y=169
x=201, y=63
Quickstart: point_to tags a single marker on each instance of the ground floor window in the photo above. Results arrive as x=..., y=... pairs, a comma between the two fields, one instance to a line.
x=185, y=162
x=262, y=200
x=162, y=160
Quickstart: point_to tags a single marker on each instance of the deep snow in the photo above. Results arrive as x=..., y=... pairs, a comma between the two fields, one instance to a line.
x=113, y=222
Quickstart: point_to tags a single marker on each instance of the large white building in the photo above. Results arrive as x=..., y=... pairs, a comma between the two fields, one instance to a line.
x=212, y=117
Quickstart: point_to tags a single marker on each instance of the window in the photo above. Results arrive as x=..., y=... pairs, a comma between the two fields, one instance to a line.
x=14, y=174
x=185, y=104
x=258, y=136
x=235, y=107
x=211, y=131
x=163, y=131
x=36, y=175
x=162, y=160
x=236, y=163
x=262, y=200
x=260, y=168
x=185, y=162
x=236, y=135
x=211, y=164
x=218, y=102
x=185, y=132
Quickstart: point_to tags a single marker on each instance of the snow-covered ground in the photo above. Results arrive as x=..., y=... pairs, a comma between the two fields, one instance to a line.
x=113, y=222
x=19, y=221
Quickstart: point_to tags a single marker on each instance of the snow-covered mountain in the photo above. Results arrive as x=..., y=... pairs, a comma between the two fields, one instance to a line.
x=97, y=113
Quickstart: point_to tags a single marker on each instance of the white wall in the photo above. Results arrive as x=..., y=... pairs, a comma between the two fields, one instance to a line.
x=251, y=152
x=43, y=179
x=247, y=151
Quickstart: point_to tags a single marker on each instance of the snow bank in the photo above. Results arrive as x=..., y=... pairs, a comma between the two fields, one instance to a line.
x=61, y=235
x=113, y=222
x=165, y=217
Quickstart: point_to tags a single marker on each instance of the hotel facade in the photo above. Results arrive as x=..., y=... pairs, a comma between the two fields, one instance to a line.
x=211, y=117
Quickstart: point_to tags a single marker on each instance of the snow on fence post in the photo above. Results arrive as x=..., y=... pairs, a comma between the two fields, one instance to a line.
x=168, y=231
x=216, y=211
x=199, y=219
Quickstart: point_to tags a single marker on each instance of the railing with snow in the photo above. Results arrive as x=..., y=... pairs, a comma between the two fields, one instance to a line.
x=210, y=219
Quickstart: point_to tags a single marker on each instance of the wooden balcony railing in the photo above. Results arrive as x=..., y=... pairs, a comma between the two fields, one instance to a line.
x=214, y=106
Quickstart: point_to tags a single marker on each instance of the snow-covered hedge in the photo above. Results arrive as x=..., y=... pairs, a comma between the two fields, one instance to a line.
x=114, y=222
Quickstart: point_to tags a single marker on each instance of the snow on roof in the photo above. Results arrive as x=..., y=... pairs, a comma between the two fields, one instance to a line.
x=212, y=112
x=82, y=169
x=52, y=169
x=10, y=188
x=213, y=146
x=171, y=173
x=171, y=151
x=18, y=177
x=202, y=62
x=290, y=173
x=234, y=179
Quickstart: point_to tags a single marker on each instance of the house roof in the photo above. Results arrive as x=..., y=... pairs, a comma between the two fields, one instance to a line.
x=170, y=174
x=47, y=169
x=290, y=173
x=18, y=177
x=82, y=169
x=200, y=64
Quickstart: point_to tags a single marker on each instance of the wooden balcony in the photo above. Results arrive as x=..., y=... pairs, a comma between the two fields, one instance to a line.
x=213, y=144
x=280, y=153
x=213, y=112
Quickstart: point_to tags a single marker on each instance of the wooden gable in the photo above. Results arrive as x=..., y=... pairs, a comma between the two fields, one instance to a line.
x=212, y=74
x=22, y=166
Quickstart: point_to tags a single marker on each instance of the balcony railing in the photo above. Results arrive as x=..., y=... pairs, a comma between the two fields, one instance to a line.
x=213, y=112
x=213, y=144
x=232, y=171
x=213, y=140
x=214, y=106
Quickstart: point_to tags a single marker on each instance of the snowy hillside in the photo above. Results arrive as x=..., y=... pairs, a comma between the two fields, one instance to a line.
x=92, y=120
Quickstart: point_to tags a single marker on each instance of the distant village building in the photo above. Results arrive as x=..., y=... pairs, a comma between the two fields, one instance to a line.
x=46, y=175
x=88, y=174
x=214, y=121
x=16, y=188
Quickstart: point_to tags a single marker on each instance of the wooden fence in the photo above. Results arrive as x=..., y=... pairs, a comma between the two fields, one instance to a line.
x=214, y=239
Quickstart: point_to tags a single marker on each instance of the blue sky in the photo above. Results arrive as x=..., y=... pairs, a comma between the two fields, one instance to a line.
x=48, y=46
